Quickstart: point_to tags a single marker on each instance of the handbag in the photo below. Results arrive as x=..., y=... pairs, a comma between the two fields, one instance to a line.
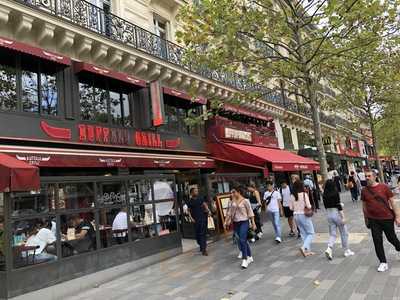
x=308, y=212
x=210, y=223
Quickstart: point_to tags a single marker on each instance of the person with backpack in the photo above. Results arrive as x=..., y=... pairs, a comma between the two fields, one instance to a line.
x=272, y=199
x=302, y=210
x=241, y=215
x=380, y=213
x=286, y=194
x=336, y=219
x=255, y=201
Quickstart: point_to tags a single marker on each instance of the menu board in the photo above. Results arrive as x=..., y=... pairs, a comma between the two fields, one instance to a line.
x=222, y=205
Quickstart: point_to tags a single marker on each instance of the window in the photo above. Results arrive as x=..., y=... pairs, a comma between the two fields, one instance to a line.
x=111, y=194
x=176, y=113
x=32, y=203
x=287, y=138
x=142, y=218
x=75, y=195
x=102, y=104
x=161, y=30
x=28, y=85
x=113, y=227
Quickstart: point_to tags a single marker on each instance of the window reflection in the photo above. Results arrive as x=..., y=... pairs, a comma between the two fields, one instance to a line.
x=126, y=110
x=8, y=88
x=24, y=203
x=111, y=193
x=49, y=96
x=75, y=195
x=165, y=217
x=163, y=190
x=116, y=108
x=85, y=96
x=78, y=233
x=139, y=191
x=142, y=219
x=100, y=105
x=30, y=96
x=33, y=241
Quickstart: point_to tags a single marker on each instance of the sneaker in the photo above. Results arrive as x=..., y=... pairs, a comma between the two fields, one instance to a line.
x=328, y=253
x=348, y=253
x=245, y=264
x=250, y=260
x=383, y=267
x=240, y=256
x=253, y=240
x=278, y=240
x=260, y=234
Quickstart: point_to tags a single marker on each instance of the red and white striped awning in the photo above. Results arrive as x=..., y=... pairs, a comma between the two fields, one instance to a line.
x=82, y=158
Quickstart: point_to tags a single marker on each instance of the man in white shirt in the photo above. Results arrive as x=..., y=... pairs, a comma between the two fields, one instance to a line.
x=286, y=196
x=120, y=226
x=362, y=178
x=274, y=207
x=41, y=240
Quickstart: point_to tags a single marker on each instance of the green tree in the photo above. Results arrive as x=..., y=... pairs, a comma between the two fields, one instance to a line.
x=282, y=42
x=368, y=83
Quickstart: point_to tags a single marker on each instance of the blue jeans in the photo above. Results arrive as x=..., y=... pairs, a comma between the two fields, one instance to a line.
x=276, y=222
x=306, y=230
x=335, y=222
x=241, y=230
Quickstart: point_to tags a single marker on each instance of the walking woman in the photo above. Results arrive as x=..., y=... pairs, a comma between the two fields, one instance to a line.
x=255, y=201
x=336, y=219
x=300, y=204
x=352, y=184
x=240, y=213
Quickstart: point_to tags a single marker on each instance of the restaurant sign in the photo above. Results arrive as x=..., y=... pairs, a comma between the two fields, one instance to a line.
x=238, y=135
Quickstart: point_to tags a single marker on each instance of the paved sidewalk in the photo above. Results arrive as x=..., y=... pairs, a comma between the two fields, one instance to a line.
x=279, y=272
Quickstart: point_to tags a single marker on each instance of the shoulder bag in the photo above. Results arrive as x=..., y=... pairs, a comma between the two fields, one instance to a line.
x=308, y=212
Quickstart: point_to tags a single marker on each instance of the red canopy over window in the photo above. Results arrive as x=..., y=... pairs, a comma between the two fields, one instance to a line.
x=17, y=176
x=258, y=157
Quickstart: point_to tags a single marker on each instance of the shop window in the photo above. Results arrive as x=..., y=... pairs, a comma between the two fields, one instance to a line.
x=165, y=217
x=163, y=190
x=33, y=241
x=78, y=233
x=139, y=191
x=24, y=203
x=111, y=194
x=8, y=83
x=75, y=195
x=101, y=104
x=142, y=221
x=113, y=227
x=287, y=138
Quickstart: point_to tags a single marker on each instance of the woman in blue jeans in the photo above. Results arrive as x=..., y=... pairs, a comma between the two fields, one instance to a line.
x=297, y=204
x=336, y=219
x=240, y=214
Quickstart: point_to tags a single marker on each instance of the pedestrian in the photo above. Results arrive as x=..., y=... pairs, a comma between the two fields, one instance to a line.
x=352, y=185
x=255, y=201
x=336, y=178
x=380, y=212
x=272, y=199
x=286, y=194
x=300, y=204
x=361, y=177
x=199, y=212
x=240, y=214
x=336, y=219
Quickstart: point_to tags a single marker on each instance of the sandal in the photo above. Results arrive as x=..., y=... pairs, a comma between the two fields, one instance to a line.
x=303, y=252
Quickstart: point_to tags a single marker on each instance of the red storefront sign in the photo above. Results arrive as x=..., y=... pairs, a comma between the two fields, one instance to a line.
x=103, y=135
x=153, y=140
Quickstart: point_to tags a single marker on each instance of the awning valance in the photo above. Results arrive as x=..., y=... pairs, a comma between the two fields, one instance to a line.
x=80, y=158
x=38, y=52
x=17, y=176
x=259, y=157
x=182, y=95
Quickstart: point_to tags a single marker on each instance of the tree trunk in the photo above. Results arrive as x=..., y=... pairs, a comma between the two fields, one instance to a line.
x=376, y=148
x=317, y=129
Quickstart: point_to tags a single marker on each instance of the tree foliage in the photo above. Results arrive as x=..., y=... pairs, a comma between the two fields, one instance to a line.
x=283, y=41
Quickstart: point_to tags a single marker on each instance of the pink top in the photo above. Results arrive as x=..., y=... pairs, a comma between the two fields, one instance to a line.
x=241, y=212
x=298, y=206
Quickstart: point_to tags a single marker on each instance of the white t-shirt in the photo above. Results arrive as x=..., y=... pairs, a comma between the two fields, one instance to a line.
x=361, y=176
x=273, y=205
x=120, y=223
x=43, y=238
x=286, y=196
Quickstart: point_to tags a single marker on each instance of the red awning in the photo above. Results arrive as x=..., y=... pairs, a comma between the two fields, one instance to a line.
x=74, y=158
x=242, y=111
x=257, y=157
x=183, y=95
x=39, y=52
x=17, y=176
x=83, y=66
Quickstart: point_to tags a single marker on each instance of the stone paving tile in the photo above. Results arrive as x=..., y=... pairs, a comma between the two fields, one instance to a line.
x=279, y=272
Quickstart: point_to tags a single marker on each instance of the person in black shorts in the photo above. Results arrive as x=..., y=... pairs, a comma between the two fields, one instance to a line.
x=286, y=193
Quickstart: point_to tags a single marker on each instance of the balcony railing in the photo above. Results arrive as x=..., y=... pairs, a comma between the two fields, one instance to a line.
x=95, y=19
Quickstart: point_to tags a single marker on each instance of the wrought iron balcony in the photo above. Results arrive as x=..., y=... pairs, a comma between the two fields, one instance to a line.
x=97, y=20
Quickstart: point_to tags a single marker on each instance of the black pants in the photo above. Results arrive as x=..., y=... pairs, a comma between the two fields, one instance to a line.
x=377, y=228
x=257, y=220
x=201, y=233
